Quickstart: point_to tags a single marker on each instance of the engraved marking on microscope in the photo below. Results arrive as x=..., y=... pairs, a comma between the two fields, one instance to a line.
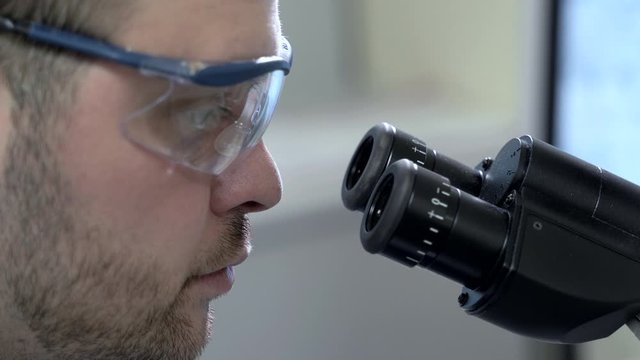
x=434, y=230
x=422, y=253
x=415, y=149
x=443, y=192
x=437, y=202
x=413, y=260
x=427, y=242
x=432, y=214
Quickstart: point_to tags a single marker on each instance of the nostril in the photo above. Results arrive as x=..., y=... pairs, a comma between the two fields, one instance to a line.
x=253, y=206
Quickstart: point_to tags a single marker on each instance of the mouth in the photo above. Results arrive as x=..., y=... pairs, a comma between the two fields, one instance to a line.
x=214, y=284
x=211, y=284
x=229, y=264
x=211, y=268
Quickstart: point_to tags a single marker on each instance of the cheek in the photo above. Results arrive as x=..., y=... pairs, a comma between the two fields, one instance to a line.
x=5, y=119
x=124, y=189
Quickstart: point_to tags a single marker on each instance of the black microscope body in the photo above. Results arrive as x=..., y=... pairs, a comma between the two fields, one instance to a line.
x=545, y=245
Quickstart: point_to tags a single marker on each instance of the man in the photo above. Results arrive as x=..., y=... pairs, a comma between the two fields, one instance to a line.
x=127, y=175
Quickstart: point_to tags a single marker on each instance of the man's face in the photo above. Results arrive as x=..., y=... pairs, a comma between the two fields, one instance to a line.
x=101, y=243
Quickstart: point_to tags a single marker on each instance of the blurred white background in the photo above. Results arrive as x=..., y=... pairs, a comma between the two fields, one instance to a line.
x=464, y=76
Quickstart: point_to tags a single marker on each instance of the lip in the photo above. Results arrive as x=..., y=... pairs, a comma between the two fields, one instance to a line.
x=219, y=282
x=241, y=258
x=214, y=284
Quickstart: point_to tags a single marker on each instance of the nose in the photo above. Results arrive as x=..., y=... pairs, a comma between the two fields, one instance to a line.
x=251, y=184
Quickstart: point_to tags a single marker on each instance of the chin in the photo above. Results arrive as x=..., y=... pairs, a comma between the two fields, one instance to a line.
x=200, y=316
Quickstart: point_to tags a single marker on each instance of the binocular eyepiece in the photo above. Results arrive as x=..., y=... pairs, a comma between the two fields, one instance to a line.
x=544, y=244
x=414, y=209
x=382, y=146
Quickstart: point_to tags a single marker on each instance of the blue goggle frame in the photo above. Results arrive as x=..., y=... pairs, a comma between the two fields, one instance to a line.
x=197, y=72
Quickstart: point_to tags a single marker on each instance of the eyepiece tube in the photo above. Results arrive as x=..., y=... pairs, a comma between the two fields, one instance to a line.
x=379, y=202
x=416, y=217
x=383, y=145
x=359, y=163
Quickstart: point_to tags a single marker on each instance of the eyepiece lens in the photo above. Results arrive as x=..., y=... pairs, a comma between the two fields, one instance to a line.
x=379, y=203
x=359, y=162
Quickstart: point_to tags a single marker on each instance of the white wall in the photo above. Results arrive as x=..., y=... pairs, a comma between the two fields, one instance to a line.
x=462, y=52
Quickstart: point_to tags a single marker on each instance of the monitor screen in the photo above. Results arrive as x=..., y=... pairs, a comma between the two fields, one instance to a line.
x=595, y=90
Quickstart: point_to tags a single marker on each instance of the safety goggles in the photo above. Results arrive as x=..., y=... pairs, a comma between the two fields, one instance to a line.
x=202, y=115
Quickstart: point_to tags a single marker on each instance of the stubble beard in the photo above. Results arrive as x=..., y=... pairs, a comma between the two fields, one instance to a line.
x=81, y=298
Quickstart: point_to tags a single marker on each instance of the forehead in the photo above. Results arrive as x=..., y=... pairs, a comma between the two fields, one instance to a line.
x=219, y=30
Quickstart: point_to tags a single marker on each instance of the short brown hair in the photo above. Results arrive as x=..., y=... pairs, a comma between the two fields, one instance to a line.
x=40, y=78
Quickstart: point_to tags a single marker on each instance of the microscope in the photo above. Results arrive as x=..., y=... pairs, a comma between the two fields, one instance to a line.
x=544, y=244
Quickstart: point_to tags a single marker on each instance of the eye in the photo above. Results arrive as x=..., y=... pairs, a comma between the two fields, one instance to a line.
x=203, y=119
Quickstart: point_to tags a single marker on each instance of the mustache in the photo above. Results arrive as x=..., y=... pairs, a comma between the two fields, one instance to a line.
x=235, y=239
x=232, y=243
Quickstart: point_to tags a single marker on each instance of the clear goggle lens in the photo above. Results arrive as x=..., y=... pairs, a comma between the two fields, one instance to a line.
x=205, y=128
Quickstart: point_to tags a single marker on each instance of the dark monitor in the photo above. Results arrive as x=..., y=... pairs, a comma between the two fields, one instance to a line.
x=594, y=110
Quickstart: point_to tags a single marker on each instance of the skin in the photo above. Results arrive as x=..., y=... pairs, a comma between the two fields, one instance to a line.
x=100, y=240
